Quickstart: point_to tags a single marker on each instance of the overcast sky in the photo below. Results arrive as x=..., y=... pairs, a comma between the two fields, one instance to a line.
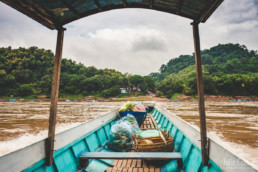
x=136, y=41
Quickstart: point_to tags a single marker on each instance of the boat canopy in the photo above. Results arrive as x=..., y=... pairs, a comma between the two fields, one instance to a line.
x=56, y=13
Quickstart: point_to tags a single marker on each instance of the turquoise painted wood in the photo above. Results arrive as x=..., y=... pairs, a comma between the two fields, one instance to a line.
x=67, y=158
x=191, y=154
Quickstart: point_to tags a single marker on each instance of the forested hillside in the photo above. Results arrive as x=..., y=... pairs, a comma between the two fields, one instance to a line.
x=229, y=69
x=25, y=72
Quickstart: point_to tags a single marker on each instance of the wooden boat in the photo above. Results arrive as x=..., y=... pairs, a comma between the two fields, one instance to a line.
x=92, y=136
x=62, y=152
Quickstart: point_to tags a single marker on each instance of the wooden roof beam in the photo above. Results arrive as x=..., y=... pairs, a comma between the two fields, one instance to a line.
x=180, y=6
x=124, y=3
x=38, y=12
x=209, y=10
x=16, y=5
x=150, y=3
x=98, y=5
x=73, y=10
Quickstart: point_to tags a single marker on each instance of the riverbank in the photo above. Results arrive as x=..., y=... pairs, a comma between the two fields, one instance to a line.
x=176, y=98
x=89, y=99
x=215, y=98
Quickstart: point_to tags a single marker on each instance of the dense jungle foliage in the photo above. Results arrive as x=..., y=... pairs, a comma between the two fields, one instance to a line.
x=229, y=69
x=25, y=72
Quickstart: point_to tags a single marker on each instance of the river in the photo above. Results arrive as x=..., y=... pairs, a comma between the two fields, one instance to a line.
x=232, y=124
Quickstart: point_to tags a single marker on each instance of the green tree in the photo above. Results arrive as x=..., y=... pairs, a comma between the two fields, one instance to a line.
x=150, y=83
x=228, y=69
x=25, y=90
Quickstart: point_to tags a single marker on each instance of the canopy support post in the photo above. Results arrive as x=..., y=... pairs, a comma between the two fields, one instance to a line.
x=54, y=97
x=200, y=88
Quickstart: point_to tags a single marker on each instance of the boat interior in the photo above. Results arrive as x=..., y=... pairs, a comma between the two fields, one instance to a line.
x=187, y=156
x=130, y=165
x=190, y=155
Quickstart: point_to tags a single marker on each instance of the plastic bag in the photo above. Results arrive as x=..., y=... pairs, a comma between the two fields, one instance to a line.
x=139, y=108
x=129, y=125
x=126, y=124
x=120, y=137
x=130, y=118
x=134, y=125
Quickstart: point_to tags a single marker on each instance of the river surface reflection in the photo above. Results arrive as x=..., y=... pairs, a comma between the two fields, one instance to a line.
x=233, y=124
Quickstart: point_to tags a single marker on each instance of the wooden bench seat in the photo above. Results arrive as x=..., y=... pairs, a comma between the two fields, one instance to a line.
x=130, y=155
x=86, y=156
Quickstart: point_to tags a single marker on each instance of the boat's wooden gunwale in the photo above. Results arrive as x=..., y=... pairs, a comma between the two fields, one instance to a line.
x=66, y=137
x=222, y=157
x=32, y=154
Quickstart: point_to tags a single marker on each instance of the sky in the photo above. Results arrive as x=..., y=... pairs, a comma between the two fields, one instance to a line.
x=137, y=41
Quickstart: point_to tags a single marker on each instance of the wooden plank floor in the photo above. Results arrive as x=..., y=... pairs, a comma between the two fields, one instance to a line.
x=149, y=123
x=134, y=165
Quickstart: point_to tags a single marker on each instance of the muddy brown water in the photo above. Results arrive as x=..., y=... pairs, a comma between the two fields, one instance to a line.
x=18, y=118
x=236, y=122
x=232, y=124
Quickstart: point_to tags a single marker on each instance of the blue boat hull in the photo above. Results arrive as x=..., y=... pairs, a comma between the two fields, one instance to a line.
x=66, y=158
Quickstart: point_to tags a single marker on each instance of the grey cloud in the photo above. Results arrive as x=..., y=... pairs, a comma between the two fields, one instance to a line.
x=137, y=41
x=149, y=44
x=235, y=12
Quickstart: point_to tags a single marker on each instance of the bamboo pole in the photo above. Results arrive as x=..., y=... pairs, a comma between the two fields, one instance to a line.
x=200, y=89
x=54, y=97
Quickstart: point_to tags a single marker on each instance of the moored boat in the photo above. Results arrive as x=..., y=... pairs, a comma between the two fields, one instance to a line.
x=93, y=136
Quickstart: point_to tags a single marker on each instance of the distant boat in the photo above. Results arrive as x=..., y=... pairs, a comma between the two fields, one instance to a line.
x=174, y=100
x=12, y=100
x=92, y=137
